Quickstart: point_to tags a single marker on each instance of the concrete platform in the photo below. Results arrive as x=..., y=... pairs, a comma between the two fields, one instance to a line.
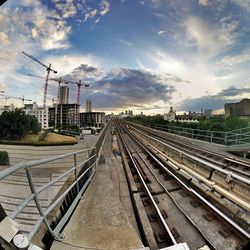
x=100, y=221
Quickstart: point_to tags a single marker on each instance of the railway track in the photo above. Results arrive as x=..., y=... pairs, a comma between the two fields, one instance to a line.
x=233, y=186
x=175, y=210
x=229, y=162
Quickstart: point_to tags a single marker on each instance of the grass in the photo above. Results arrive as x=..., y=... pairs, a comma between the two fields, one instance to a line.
x=53, y=137
x=50, y=139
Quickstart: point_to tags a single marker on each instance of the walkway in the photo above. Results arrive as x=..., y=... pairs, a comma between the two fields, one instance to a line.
x=100, y=220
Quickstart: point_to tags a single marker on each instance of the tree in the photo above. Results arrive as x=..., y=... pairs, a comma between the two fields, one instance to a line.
x=15, y=124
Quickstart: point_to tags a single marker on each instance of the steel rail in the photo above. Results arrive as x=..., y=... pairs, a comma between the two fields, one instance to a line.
x=151, y=197
x=227, y=158
x=197, y=159
x=190, y=189
x=173, y=199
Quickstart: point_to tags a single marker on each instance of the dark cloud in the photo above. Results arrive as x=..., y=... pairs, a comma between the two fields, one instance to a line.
x=213, y=101
x=232, y=91
x=129, y=87
x=120, y=88
x=85, y=72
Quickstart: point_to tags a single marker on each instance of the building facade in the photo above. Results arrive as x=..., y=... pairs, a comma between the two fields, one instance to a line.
x=94, y=120
x=39, y=112
x=238, y=109
x=88, y=106
x=67, y=115
x=170, y=116
x=64, y=95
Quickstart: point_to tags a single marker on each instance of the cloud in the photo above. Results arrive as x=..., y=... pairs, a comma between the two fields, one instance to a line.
x=125, y=42
x=203, y=2
x=96, y=13
x=244, y=4
x=161, y=32
x=214, y=102
x=66, y=8
x=35, y=26
x=121, y=87
x=4, y=39
x=91, y=14
x=105, y=7
x=232, y=92
x=211, y=39
x=235, y=60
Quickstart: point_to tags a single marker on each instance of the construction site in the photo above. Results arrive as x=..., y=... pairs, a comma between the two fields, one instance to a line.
x=62, y=114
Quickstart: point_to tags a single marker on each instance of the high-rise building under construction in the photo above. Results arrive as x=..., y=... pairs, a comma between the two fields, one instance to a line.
x=64, y=95
x=88, y=106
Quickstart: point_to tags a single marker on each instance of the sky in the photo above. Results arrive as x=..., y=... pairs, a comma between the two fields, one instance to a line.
x=140, y=55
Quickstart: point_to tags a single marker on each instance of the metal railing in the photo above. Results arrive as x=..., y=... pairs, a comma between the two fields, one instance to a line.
x=80, y=175
x=80, y=181
x=234, y=137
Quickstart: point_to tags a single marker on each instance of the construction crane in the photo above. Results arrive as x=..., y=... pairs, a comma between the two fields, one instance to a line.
x=48, y=69
x=79, y=84
x=15, y=97
x=60, y=80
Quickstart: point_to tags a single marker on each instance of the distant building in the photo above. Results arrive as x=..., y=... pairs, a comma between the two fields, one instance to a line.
x=67, y=115
x=94, y=120
x=170, y=116
x=88, y=106
x=39, y=112
x=64, y=95
x=52, y=116
x=208, y=113
x=238, y=109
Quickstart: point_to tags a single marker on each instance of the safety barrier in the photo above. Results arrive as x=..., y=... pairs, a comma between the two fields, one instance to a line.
x=79, y=176
x=234, y=137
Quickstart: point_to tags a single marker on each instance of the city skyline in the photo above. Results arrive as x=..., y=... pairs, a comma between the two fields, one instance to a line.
x=143, y=55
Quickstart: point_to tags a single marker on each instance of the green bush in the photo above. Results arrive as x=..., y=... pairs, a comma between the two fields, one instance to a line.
x=4, y=158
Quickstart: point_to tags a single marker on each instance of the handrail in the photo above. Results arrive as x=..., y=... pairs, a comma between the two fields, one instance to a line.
x=25, y=164
x=82, y=172
x=219, y=137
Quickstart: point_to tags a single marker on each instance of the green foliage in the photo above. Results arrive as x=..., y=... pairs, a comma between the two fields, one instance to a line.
x=157, y=119
x=235, y=123
x=211, y=124
x=15, y=124
x=4, y=158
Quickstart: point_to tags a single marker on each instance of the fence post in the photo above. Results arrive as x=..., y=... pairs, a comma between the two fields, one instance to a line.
x=38, y=205
x=76, y=177
x=225, y=139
